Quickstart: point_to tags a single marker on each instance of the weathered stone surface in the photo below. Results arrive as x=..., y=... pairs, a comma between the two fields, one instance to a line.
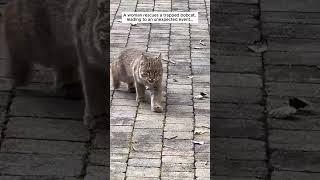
x=97, y=173
x=300, y=122
x=293, y=45
x=240, y=168
x=237, y=95
x=290, y=17
x=99, y=157
x=292, y=58
x=232, y=111
x=280, y=175
x=293, y=89
x=239, y=149
x=46, y=107
x=238, y=128
x=53, y=129
x=225, y=8
x=284, y=30
x=40, y=164
x=302, y=141
x=236, y=80
x=42, y=146
x=292, y=74
x=235, y=35
x=295, y=161
x=286, y=5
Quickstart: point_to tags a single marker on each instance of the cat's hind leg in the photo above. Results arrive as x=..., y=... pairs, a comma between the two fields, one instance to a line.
x=114, y=74
x=131, y=87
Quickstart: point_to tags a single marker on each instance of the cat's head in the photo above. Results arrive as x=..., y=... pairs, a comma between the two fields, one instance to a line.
x=150, y=69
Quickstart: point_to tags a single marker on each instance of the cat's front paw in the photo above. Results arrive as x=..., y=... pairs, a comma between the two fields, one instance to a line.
x=157, y=109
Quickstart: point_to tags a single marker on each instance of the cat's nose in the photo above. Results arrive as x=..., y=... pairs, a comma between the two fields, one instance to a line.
x=151, y=80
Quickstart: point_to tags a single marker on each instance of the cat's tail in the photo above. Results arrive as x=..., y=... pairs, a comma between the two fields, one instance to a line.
x=115, y=77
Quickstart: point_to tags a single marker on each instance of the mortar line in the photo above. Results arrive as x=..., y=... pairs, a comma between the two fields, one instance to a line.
x=264, y=101
x=165, y=116
x=134, y=122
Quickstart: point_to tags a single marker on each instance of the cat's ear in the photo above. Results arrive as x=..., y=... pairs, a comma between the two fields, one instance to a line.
x=159, y=57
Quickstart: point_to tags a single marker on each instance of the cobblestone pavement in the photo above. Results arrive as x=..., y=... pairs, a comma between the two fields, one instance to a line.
x=248, y=143
x=147, y=145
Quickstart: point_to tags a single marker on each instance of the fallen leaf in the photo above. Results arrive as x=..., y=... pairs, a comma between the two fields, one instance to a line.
x=299, y=103
x=190, y=77
x=202, y=43
x=173, y=137
x=200, y=97
x=204, y=94
x=174, y=80
x=198, y=142
x=259, y=47
x=283, y=112
x=133, y=24
x=197, y=47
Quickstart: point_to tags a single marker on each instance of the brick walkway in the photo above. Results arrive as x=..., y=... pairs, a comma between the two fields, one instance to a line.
x=147, y=145
x=248, y=143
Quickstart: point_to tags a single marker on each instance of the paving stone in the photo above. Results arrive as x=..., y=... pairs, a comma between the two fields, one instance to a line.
x=240, y=168
x=237, y=95
x=97, y=173
x=285, y=30
x=143, y=172
x=293, y=45
x=239, y=149
x=235, y=35
x=293, y=74
x=290, y=17
x=99, y=157
x=202, y=173
x=241, y=111
x=285, y=5
x=36, y=178
x=237, y=64
x=46, y=107
x=41, y=165
x=234, y=8
x=177, y=167
x=293, y=89
x=42, y=147
x=238, y=128
x=147, y=155
x=178, y=174
x=302, y=141
x=234, y=178
x=306, y=123
x=178, y=127
x=291, y=58
x=118, y=157
x=236, y=80
x=52, y=129
x=144, y=162
x=287, y=160
x=279, y=175
x=178, y=144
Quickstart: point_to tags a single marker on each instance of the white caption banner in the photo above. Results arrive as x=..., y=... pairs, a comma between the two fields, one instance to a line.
x=159, y=17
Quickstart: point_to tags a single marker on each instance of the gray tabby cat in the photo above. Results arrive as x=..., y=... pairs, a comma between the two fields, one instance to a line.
x=140, y=70
x=66, y=35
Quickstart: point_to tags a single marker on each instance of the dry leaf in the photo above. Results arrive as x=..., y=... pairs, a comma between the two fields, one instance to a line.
x=200, y=97
x=202, y=43
x=283, y=112
x=198, y=142
x=259, y=47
